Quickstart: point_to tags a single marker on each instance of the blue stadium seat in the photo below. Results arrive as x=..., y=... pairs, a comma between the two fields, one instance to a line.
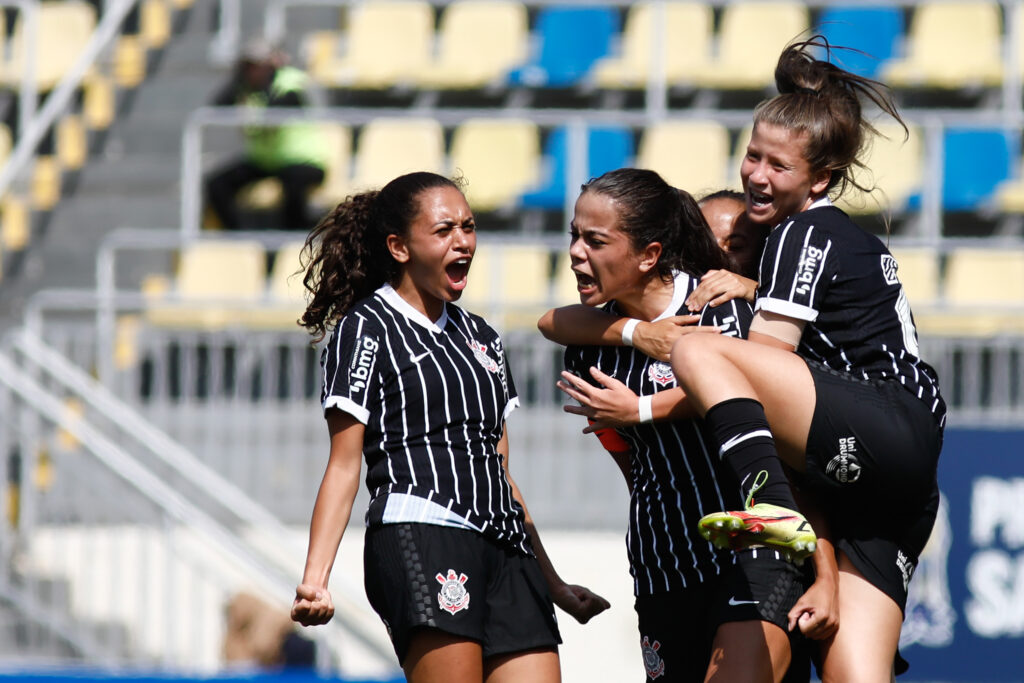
x=608, y=148
x=570, y=39
x=976, y=161
x=874, y=31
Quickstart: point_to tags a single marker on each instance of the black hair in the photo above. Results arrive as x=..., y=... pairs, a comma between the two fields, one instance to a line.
x=345, y=257
x=651, y=210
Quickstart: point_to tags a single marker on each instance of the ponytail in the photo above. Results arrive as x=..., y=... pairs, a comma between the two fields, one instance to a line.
x=823, y=101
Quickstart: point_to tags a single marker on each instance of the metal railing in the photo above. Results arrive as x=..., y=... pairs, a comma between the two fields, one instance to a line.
x=33, y=131
x=230, y=533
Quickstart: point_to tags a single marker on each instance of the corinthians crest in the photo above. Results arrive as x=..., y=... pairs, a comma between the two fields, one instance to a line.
x=660, y=373
x=653, y=662
x=453, y=595
x=480, y=353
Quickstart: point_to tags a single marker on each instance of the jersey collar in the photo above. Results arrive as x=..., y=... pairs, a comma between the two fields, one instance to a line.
x=679, y=281
x=824, y=201
x=395, y=300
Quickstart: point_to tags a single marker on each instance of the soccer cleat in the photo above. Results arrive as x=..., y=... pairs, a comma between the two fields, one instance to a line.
x=761, y=524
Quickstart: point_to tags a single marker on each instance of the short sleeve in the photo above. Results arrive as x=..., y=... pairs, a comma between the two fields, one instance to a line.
x=796, y=270
x=733, y=317
x=350, y=365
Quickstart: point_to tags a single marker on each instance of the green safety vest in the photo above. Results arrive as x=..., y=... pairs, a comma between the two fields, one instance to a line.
x=274, y=147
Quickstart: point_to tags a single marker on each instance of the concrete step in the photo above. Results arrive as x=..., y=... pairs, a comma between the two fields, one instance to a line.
x=134, y=174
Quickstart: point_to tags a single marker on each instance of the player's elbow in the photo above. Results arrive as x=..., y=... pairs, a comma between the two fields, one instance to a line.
x=546, y=324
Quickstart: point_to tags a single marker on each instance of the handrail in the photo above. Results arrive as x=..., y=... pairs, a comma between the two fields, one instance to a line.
x=57, y=102
x=351, y=614
x=932, y=122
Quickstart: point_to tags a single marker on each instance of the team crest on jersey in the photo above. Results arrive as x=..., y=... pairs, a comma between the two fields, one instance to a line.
x=453, y=596
x=480, y=353
x=889, y=268
x=660, y=373
x=845, y=467
x=653, y=662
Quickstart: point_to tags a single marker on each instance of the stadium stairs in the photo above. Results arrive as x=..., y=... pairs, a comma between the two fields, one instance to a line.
x=132, y=176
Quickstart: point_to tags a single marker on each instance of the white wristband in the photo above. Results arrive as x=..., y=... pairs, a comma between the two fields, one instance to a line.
x=627, y=331
x=646, y=409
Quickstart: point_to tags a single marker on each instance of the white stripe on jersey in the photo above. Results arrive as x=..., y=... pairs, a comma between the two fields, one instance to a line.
x=778, y=257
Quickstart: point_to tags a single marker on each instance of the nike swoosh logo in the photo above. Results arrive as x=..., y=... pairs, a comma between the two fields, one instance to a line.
x=734, y=601
x=417, y=359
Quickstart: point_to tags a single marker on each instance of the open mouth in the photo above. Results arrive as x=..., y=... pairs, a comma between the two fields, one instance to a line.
x=457, y=272
x=759, y=200
x=585, y=283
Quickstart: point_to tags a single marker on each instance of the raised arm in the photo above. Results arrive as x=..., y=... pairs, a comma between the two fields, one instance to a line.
x=719, y=286
x=313, y=604
x=580, y=602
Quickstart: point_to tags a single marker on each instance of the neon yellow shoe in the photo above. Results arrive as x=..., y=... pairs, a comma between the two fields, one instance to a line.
x=761, y=524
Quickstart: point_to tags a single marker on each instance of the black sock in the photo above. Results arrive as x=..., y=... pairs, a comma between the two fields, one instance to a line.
x=746, y=445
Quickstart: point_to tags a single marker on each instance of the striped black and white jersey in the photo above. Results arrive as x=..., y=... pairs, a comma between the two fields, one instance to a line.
x=820, y=267
x=677, y=476
x=434, y=397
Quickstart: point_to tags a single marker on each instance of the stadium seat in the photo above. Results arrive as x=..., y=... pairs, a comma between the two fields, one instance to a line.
x=687, y=48
x=478, y=43
x=563, y=289
x=337, y=139
x=387, y=42
x=286, y=295
x=747, y=53
x=64, y=29
x=499, y=158
x=894, y=166
x=976, y=162
x=216, y=283
x=388, y=147
x=508, y=283
x=570, y=39
x=950, y=45
x=691, y=155
x=874, y=32
x=154, y=23
x=919, y=274
x=985, y=277
x=72, y=145
x=608, y=148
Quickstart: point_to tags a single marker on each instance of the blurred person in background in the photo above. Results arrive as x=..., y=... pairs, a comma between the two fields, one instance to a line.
x=293, y=153
x=421, y=389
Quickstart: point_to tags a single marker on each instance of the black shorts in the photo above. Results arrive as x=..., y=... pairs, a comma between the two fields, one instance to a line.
x=459, y=582
x=872, y=454
x=677, y=629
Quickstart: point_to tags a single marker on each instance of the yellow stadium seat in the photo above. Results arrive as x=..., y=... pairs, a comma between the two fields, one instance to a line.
x=46, y=183
x=71, y=142
x=14, y=232
x=690, y=155
x=286, y=295
x=919, y=274
x=387, y=43
x=154, y=22
x=216, y=284
x=389, y=147
x=747, y=52
x=687, y=47
x=950, y=45
x=892, y=165
x=564, y=291
x=478, y=42
x=499, y=158
x=337, y=138
x=985, y=277
x=508, y=284
x=97, y=102
x=64, y=29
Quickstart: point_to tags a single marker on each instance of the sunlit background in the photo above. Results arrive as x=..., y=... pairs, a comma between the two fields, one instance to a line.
x=159, y=416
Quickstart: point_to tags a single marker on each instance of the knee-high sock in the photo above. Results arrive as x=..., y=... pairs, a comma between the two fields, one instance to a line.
x=745, y=444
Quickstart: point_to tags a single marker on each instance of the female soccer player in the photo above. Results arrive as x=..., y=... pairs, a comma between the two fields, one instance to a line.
x=421, y=388
x=854, y=411
x=637, y=247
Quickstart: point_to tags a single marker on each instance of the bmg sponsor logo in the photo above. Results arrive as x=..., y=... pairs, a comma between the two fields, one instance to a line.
x=810, y=261
x=362, y=361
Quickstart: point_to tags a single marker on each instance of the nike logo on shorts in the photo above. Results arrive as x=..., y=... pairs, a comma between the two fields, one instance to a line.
x=733, y=601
